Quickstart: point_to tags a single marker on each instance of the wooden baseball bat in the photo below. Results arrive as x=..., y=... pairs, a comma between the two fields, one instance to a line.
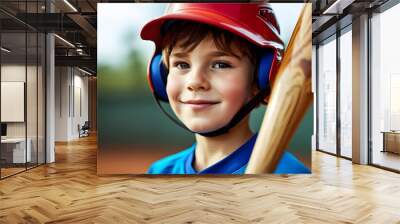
x=290, y=98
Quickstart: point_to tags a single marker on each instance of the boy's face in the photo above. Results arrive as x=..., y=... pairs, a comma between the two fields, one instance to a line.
x=206, y=87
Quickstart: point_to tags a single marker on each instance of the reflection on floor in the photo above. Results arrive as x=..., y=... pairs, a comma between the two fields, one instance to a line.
x=10, y=168
x=10, y=171
x=386, y=159
x=70, y=191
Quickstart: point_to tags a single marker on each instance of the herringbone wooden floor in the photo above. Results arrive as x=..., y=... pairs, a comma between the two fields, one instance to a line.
x=69, y=191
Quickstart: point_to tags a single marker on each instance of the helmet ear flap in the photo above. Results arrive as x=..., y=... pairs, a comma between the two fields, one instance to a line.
x=264, y=69
x=158, y=77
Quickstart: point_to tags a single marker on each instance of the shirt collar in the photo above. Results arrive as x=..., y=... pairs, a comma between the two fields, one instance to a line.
x=233, y=162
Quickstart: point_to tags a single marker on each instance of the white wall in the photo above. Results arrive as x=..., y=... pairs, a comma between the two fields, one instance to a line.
x=12, y=73
x=62, y=81
x=16, y=73
x=12, y=101
x=33, y=125
x=71, y=94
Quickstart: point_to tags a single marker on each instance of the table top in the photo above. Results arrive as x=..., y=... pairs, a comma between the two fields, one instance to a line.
x=390, y=132
x=13, y=140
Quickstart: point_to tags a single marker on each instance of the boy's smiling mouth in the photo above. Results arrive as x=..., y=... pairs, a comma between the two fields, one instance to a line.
x=199, y=103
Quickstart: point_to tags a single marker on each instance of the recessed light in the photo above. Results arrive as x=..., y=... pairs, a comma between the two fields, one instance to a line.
x=5, y=50
x=70, y=5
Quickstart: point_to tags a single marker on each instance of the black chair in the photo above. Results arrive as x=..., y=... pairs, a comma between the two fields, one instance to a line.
x=84, y=130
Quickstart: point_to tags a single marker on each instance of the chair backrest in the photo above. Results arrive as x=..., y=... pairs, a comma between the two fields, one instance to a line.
x=86, y=125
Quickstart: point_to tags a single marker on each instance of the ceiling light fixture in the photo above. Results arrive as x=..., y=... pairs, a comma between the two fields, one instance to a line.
x=70, y=5
x=64, y=40
x=5, y=50
x=84, y=71
x=337, y=7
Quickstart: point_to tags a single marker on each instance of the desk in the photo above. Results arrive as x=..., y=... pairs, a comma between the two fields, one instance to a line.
x=391, y=141
x=15, y=148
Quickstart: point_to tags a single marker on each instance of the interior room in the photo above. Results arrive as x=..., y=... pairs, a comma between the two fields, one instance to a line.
x=53, y=125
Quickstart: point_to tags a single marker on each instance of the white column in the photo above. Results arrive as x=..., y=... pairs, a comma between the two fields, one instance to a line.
x=50, y=92
x=50, y=103
x=360, y=90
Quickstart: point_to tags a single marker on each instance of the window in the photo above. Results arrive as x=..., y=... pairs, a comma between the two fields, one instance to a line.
x=385, y=89
x=327, y=96
x=346, y=93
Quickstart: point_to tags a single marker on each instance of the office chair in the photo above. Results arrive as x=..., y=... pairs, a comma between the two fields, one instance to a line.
x=84, y=130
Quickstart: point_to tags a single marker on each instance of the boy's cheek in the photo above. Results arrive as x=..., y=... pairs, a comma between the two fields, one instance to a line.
x=236, y=96
x=173, y=88
x=235, y=90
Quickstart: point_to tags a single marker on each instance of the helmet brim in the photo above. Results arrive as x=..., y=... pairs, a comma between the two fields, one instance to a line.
x=152, y=30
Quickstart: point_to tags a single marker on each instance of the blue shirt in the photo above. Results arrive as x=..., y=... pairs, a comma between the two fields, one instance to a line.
x=234, y=163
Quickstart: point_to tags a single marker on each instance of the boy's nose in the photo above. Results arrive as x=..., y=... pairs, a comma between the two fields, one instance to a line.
x=197, y=80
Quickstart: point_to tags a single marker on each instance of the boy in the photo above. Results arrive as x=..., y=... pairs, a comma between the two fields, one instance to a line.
x=213, y=63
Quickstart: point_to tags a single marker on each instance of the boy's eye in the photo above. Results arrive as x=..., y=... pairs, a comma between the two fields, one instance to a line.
x=181, y=65
x=221, y=65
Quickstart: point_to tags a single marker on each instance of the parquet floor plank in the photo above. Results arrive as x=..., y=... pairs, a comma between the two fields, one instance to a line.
x=69, y=191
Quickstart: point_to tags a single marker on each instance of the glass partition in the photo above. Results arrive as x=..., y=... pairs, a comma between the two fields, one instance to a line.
x=327, y=95
x=346, y=92
x=41, y=109
x=13, y=109
x=22, y=88
x=31, y=100
x=33, y=56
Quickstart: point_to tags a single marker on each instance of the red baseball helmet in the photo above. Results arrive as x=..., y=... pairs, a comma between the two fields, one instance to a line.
x=254, y=22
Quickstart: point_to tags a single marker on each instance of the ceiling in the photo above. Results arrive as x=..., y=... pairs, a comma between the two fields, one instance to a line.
x=74, y=22
x=329, y=16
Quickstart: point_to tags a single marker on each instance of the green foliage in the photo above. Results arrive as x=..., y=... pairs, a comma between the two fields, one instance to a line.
x=128, y=77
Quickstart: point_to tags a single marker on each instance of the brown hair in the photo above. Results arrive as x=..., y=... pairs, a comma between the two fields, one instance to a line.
x=189, y=34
